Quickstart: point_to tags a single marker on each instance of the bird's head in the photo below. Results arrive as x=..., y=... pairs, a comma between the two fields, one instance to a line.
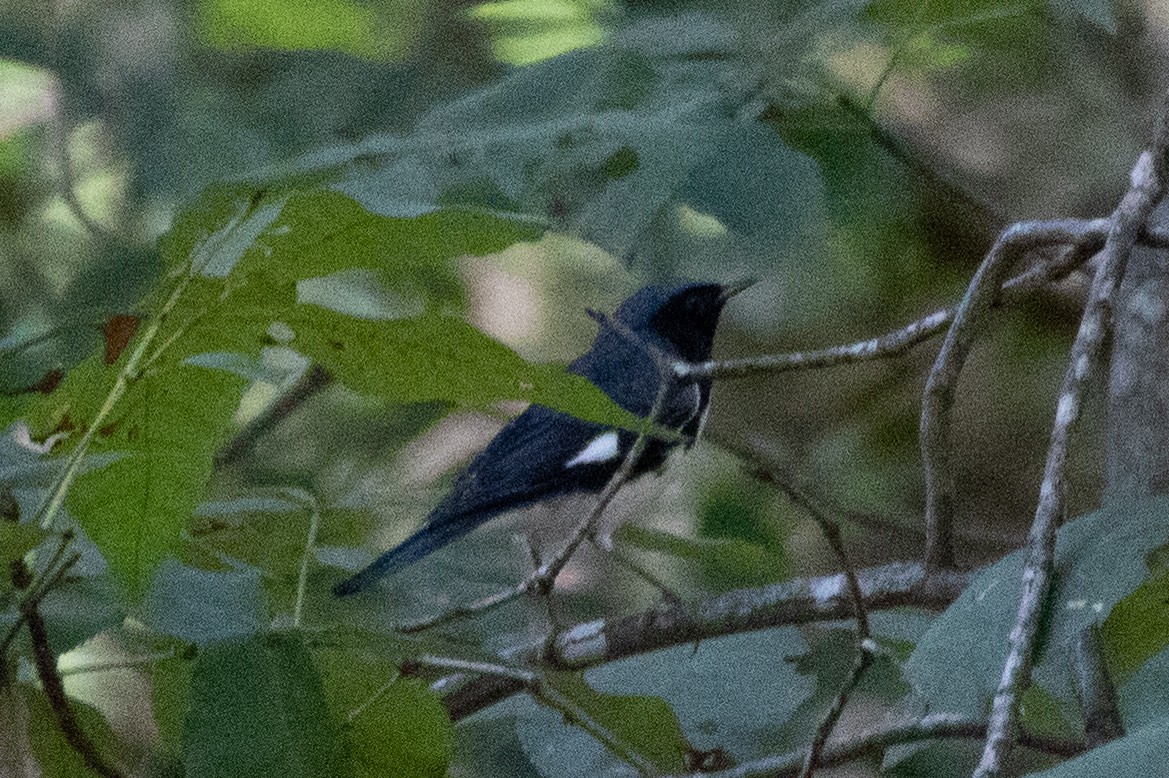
x=683, y=315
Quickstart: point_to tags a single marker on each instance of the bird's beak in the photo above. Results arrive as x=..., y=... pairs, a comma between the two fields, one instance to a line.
x=733, y=288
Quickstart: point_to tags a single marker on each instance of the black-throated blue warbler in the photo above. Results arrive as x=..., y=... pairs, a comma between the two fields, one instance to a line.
x=544, y=453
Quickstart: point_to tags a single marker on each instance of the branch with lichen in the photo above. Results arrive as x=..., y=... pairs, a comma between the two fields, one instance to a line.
x=1148, y=184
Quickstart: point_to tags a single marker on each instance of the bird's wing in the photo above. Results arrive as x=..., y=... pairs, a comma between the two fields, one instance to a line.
x=538, y=454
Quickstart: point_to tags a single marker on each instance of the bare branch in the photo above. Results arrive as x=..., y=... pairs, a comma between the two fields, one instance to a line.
x=1146, y=189
x=799, y=601
x=934, y=726
x=1094, y=687
x=51, y=575
x=1083, y=237
x=941, y=386
x=313, y=381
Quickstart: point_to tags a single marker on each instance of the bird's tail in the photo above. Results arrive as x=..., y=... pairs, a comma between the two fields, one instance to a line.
x=430, y=538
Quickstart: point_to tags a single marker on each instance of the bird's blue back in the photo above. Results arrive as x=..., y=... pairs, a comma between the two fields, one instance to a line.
x=525, y=462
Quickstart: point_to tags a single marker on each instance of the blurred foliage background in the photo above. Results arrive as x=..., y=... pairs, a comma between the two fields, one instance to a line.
x=858, y=156
x=860, y=161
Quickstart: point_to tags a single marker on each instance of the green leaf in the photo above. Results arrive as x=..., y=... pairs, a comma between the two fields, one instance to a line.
x=1137, y=628
x=288, y=239
x=636, y=729
x=744, y=719
x=1140, y=753
x=527, y=31
x=16, y=540
x=441, y=358
x=1099, y=560
x=639, y=724
x=170, y=698
x=405, y=732
x=258, y=710
x=394, y=725
x=343, y=25
x=135, y=509
x=201, y=606
x=488, y=744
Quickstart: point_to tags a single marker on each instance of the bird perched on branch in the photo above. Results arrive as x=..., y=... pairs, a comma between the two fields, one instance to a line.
x=544, y=453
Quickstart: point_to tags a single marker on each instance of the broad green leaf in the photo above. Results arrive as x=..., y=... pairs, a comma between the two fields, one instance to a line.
x=320, y=233
x=527, y=31
x=1141, y=697
x=488, y=744
x=405, y=732
x=75, y=401
x=703, y=686
x=134, y=509
x=258, y=710
x=16, y=540
x=201, y=606
x=642, y=724
x=170, y=698
x=1137, y=628
x=441, y=358
x=1099, y=560
x=394, y=725
x=1140, y=753
x=342, y=25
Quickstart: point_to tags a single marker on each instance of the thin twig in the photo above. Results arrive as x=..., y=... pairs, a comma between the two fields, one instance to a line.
x=46, y=666
x=934, y=726
x=128, y=375
x=1086, y=235
x=1146, y=189
x=864, y=644
x=313, y=381
x=310, y=546
x=815, y=752
x=478, y=668
x=639, y=570
x=50, y=576
x=941, y=387
x=549, y=695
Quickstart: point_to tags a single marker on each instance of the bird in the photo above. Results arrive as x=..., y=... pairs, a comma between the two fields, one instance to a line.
x=544, y=453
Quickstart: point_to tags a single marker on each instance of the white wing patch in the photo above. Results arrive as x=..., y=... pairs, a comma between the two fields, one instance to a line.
x=600, y=449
